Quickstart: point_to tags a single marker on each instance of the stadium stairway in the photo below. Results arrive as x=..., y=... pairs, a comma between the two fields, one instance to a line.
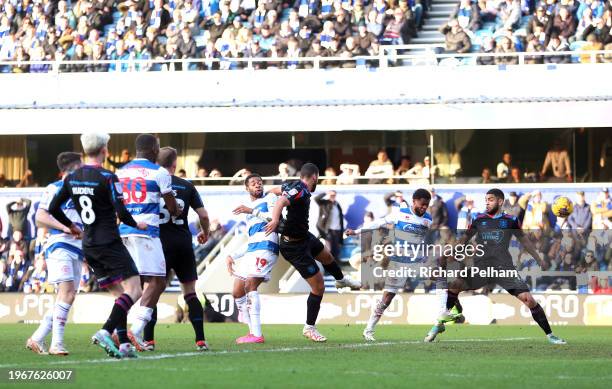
x=436, y=17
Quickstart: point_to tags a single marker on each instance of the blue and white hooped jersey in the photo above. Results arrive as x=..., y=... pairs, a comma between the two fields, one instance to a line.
x=143, y=183
x=408, y=227
x=256, y=223
x=59, y=239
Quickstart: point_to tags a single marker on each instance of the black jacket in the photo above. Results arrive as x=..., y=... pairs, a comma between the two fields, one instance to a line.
x=325, y=209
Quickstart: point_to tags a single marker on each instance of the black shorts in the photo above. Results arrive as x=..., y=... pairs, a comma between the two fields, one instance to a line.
x=513, y=285
x=179, y=256
x=110, y=263
x=301, y=254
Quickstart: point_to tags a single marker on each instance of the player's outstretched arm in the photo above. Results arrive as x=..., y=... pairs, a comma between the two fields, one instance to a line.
x=281, y=203
x=277, y=190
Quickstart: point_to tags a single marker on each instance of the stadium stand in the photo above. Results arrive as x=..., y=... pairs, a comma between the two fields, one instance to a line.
x=217, y=33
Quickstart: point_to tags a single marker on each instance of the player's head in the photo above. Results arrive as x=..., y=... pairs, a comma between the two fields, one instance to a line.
x=254, y=185
x=147, y=146
x=309, y=174
x=494, y=200
x=68, y=161
x=167, y=158
x=420, y=201
x=95, y=144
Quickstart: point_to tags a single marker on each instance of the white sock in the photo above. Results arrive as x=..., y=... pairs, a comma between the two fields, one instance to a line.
x=45, y=327
x=242, y=304
x=375, y=316
x=60, y=316
x=254, y=308
x=442, y=297
x=143, y=316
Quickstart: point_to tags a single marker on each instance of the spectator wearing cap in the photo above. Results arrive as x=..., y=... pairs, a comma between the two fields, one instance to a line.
x=581, y=219
x=330, y=223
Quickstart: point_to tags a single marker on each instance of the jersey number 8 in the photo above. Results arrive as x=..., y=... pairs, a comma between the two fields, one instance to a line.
x=87, y=214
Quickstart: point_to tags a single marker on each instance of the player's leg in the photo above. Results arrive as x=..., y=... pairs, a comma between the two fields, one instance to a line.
x=323, y=255
x=196, y=314
x=449, y=298
x=381, y=305
x=313, y=306
x=251, y=285
x=537, y=312
x=242, y=303
x=65, y=298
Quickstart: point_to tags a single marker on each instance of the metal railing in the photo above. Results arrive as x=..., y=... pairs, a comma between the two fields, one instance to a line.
x=217, y=249
x=389, y=56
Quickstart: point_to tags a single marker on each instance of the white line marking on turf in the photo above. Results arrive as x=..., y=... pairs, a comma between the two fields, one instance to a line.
x=271, y=350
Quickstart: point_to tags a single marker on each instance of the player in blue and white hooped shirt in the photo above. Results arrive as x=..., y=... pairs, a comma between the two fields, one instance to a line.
x=144, y=185
x=410, y=223
x=253, y=264
x=64, y=261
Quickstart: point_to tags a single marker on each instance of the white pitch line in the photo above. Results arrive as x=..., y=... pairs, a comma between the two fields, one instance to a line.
x=271, y=350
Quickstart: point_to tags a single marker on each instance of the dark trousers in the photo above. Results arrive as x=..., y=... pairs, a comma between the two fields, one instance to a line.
x=334, y=239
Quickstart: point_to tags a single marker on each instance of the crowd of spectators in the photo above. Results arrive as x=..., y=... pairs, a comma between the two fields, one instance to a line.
x=207, y=29
x=510, y=26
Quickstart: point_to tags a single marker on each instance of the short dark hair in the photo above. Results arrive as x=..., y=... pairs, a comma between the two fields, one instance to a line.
x=66, y=159
x=497, y=193
x=309, y=169
x=166, y=157
x=252, y=175
x=145, y=142
x=421, y=194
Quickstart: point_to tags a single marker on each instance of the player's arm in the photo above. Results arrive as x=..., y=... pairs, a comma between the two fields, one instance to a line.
x=373, y=225
x=281, y=203
x=164, y=181
x=55, y=209
x=45, y=219
x=117, y=199
x=276, y=190
x=197, y=205
x=230, y=260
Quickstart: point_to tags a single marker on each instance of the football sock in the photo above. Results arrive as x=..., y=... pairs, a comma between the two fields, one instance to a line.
x=143, y=316
x=540, y=317
x=118, y=317
x=242, y=304
x=459, y=306
x=451, y=300
x=149, y=330
x=45, y=327
x=376, y=314
x=313, y=305
x=60, y=316
x=334, y=270
x=254, y=308
x=196, y=315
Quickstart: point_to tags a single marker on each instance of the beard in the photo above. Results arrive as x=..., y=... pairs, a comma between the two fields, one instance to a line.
x=493, y=210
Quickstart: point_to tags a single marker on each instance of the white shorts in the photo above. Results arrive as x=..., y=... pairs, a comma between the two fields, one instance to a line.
x=147, y=254
x=64, y=266
x=256, y=264
x=398, y=280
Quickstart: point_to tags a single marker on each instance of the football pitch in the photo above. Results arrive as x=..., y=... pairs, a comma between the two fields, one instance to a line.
x=464, y=357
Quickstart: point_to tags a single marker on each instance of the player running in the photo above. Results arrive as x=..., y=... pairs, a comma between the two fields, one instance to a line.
x=493, y=231
x=64, y=257
x=254, y=263
x=300, y=247
x=145, y=185
x=97, y=196
x=178, y=248
x=411, y=224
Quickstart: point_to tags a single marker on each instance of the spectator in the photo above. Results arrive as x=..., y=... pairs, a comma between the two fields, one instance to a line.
x=17, y=271
x=512, y=207
x=124, y=159
x=564, y=25
x=331, y=221
x=539, y=19
x=534, y=46
x=404, y=166
x=284, y=172
x=557, y=45
x=509, y=15
x=465, y=209
x=506, y=46
x=239, y=176
x=215, y=173
x=487, y=47
x=581, y=219
x=438, y=211
x=557, y=158
x=503, y=168
x=181, y=173
x=536, y=211
x=515, y=175
x=456, y=40
x=382, y=167
x=589, y=263
x=398, y=29
x=600, y=207
x=27, y=181
x=393, y=199
x=202, y=173
x=348, y=172
x=417, y=174
x=593, y=44
x=468, y=15
x=18, y=216
x=329, y=173
x=485, y=176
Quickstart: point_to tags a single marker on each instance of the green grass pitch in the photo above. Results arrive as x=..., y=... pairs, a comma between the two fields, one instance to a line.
x=464, y=357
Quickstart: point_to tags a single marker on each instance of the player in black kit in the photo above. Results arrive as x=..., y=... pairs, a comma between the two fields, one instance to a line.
x=493, y=231
x=300, y=247
x=97, y=195
x=178, y=249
